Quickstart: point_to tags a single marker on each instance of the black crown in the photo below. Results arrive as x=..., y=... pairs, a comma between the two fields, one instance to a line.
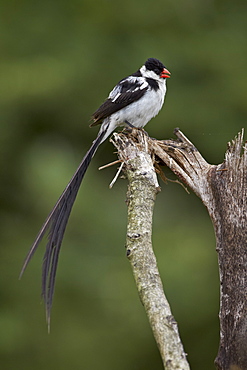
x=154, y=65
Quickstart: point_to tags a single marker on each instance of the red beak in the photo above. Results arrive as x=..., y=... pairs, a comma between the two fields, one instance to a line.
x=165, y=73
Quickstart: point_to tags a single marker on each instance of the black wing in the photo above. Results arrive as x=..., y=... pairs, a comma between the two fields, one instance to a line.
x=124, y=93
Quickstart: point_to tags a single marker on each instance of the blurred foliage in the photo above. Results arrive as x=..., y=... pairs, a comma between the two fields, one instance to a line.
x=58, y=62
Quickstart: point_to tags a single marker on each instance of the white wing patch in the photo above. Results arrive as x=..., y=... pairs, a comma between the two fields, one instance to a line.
x=115, y=97
x=114, y=94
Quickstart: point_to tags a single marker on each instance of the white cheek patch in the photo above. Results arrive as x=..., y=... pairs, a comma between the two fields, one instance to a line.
x=149, y=74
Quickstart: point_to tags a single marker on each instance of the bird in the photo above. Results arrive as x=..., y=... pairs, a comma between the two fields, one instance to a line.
x=133, y=102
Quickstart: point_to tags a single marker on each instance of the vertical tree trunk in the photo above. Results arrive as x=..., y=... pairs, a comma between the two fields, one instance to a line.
x=223, y=190
x=229, y=190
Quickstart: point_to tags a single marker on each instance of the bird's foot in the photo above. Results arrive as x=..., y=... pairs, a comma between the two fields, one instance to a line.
x=129, y=124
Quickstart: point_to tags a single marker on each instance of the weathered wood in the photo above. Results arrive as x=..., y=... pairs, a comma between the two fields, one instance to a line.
x=223, y=190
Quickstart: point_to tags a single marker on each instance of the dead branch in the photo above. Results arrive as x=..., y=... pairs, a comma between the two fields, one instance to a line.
x=223, y=190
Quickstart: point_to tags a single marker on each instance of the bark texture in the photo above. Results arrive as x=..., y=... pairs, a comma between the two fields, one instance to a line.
x=223, y=190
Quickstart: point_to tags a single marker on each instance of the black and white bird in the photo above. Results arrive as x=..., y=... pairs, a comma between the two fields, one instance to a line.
x=133, y=102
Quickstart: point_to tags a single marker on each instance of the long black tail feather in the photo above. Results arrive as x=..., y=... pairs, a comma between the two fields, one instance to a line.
x=55, y=225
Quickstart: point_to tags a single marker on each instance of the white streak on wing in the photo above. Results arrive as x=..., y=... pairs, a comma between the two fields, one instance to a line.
x=144, y=85
x=116, y=92
x=116, y=96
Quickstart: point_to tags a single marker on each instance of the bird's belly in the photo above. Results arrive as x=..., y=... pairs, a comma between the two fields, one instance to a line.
x=140, y=112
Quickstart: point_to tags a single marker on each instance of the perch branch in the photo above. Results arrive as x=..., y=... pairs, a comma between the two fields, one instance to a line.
x=142, y=190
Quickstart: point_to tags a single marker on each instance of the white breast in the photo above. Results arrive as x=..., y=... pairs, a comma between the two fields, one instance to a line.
x=142, y=111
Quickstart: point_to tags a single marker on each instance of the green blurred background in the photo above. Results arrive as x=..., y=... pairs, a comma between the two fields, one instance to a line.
x=59, y=60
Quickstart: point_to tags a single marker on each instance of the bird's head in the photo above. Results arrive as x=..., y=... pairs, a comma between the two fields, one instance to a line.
x=155, y=69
